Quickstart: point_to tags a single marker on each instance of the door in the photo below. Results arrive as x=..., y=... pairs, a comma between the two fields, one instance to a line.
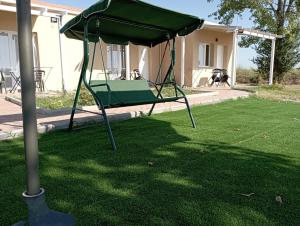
x=144, y=61
x=220, y=57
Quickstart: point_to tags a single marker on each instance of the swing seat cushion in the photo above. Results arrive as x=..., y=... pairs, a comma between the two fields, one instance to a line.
x=117, y=93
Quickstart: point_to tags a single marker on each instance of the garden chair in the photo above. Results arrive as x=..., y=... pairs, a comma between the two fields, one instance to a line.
x=137, y=75
x=123, y=75
x=17, y=81
x=219, y=76
x=39, y=75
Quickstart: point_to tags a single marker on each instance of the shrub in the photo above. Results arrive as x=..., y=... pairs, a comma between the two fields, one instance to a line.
x=275, y=87
x=247, y=76
x=292, y=77
x=65, y=100
x=55, y=102
x=85, y=98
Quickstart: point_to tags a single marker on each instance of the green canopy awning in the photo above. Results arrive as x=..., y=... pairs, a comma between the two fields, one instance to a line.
x=124, y=21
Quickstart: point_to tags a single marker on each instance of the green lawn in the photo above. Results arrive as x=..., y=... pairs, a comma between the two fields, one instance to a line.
x=197, y=178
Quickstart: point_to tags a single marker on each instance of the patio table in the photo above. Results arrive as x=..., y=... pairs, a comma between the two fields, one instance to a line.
x=39, y=79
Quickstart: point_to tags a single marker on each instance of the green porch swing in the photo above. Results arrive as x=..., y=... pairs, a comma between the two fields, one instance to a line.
x=123, y=22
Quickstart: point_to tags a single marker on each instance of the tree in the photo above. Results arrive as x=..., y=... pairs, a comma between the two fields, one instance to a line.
x=276, y=16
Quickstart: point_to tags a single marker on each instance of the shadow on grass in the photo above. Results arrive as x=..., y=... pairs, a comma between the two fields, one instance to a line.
x=187, y=182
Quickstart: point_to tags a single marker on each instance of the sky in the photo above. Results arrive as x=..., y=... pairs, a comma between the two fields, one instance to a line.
x=200, y=8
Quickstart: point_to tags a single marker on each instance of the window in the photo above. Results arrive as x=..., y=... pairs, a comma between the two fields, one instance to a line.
x=116, y=62
x=204, y=55
x=9, y=54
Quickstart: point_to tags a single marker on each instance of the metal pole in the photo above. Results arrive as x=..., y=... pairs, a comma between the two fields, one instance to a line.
x=127, y=51
x=59, y=24
x=28, y=96
x=182, y=61
x=272, y=62
x=38, y=211
x=234, y=56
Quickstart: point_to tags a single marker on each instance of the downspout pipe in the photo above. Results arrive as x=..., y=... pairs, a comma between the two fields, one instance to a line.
x=63, y=87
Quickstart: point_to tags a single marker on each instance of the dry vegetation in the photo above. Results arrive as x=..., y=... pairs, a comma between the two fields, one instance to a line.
x=250, y=76
x=289, y=90
x=279, y=92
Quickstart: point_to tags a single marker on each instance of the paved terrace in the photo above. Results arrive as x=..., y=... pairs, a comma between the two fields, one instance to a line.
x=11, y=114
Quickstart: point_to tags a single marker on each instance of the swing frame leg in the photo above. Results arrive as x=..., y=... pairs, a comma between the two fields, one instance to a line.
x=108, y=127
x=190, y=112
x=151, y=110
x=75, y=102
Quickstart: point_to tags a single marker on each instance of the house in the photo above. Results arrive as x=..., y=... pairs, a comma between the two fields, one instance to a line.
x=48, y=44
x=211, y=46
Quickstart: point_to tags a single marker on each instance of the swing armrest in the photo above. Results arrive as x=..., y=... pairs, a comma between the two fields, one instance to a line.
x=98, y=85
x=180, y=91
x=159, y=84
x=155, y=86
x=153, y=83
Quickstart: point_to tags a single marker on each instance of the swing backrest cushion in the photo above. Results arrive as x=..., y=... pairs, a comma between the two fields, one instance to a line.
x=122, y=92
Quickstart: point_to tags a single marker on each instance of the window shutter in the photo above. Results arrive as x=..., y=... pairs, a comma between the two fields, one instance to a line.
x=201, y=60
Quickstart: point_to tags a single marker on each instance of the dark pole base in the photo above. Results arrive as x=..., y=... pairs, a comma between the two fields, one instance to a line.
x=40, y=215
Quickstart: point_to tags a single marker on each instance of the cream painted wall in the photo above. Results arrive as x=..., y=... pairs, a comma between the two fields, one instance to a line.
x=49, y=52
x=213, y=38
x=193, y=72
x=73, y=59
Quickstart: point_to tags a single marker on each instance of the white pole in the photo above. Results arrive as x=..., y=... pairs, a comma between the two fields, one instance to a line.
x=234, y=56
x=272, y=62
x=28, y=96
x=127, y=51
x=38, y=211
x=63, y=87
x=182, y=78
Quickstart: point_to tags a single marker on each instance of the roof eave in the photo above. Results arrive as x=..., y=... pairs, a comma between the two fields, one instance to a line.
x=37, y=9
